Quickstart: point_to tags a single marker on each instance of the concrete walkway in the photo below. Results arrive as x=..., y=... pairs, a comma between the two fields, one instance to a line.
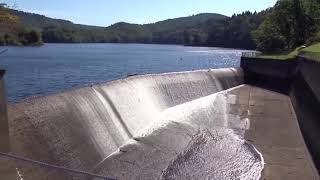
x=275, y=132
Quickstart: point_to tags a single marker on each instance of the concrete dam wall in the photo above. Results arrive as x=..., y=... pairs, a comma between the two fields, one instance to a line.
x=80, y=129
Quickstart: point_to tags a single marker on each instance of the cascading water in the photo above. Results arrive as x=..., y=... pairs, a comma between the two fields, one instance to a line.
x=158, y=118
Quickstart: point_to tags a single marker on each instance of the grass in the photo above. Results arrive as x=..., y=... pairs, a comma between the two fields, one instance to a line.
x=312, y=51
x=313, y=48
x=282, y=56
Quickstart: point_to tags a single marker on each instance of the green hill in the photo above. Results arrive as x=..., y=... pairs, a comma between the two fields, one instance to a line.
x=167, y=31
x=195, y=30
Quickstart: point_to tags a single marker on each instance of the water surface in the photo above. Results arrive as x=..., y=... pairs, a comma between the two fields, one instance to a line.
x=36, y=71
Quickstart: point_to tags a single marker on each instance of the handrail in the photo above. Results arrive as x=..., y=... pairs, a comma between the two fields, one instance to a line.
x=43, y=164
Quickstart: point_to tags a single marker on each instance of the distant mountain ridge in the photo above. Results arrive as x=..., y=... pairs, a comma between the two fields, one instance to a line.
x=37, y=20
x=170, y=31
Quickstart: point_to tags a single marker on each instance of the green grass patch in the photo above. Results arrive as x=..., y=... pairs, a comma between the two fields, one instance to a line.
x=312, y=52
x=287, y=55
x=313, y=48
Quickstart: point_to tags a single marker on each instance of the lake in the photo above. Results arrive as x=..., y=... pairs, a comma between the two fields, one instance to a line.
x=37, y=71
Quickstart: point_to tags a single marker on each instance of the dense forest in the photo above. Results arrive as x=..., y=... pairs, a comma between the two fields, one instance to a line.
x=290, y=23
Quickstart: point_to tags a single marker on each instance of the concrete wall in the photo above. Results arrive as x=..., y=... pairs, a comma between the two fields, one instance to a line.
x=4, y=128
x=300, y=79
x=64, y=128
x=273, y=74
x=305, y=96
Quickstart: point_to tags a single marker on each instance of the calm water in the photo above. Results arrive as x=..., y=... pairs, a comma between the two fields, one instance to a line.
x=34, y=71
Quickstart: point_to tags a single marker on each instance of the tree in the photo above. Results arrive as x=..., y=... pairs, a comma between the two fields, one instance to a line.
x=31, y=37
x=267, y=37
x=287, y=23
x=312, y=8
x=301, y=25
x=5, y=16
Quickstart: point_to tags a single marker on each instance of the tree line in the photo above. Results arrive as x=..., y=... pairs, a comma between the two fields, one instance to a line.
x=11, y=33
x=289, y=24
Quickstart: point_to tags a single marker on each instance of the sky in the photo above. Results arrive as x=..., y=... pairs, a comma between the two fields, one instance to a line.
x=107, y=12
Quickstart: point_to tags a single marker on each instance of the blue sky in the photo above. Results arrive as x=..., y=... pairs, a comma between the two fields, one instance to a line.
x=107, y=12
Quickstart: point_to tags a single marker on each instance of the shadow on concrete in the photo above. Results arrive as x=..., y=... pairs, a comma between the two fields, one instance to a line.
x=307, y=108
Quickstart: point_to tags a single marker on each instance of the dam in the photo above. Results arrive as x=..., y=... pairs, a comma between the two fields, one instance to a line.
x=205, y=124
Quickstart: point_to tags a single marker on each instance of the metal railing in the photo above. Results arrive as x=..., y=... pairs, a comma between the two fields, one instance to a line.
x=17, y=167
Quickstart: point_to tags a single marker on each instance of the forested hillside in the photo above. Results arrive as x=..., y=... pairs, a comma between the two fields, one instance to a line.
x=290, y=23
x=171, y=31
x=13, y=33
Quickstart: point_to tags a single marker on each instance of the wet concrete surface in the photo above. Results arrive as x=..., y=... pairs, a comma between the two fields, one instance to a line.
x=275, y=132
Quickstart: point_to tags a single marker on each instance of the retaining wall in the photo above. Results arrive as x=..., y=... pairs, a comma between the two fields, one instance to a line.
x=268, y=73
x=305, y=97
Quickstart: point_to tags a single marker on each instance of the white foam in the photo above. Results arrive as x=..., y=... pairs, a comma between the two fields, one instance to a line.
x=219, y=151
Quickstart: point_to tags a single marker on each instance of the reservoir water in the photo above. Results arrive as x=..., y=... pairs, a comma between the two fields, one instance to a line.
x=37, y=71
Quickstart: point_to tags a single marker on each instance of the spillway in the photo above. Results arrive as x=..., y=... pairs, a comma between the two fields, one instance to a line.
x=81, y=129
x=165, y=126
